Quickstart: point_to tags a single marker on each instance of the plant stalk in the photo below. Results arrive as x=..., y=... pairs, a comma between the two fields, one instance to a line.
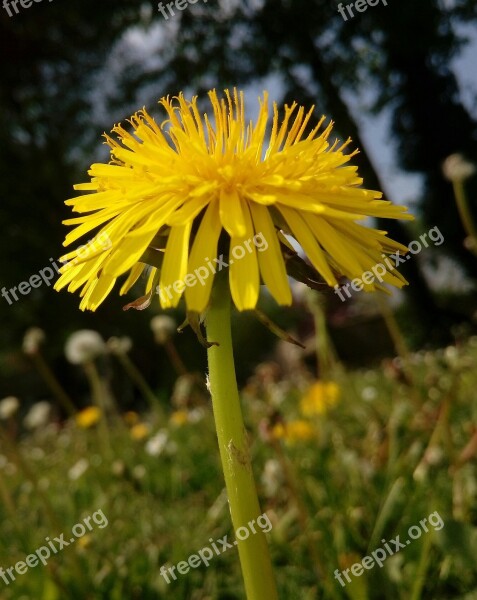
x=234, y=449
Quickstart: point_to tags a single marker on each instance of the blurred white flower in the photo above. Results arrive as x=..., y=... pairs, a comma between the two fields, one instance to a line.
x=38, y=415
x=272, y=478
x=369, y=393
x=457, y=168
x=157, y=443
x=196, y=414
x=32, y=340
x=182, y=390
x=118, y=468
x=84, y=346
x=163, y=328
x=78, y=469
x=119, y=345
x=451, y=355
x=8, y=407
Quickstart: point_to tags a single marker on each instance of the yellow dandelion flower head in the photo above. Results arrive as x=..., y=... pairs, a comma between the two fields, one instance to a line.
x=139, y=431
x=88, y=417
x=179, y=417
x=85, y=541
x=180, y=201
x=321, y=396
x=293, y=431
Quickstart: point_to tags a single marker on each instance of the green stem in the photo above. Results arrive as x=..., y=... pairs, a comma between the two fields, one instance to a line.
x=424, y=561
x=98, y=393
x=142, y=385
x=234, y=451
x=63, y=399
x=175, y=358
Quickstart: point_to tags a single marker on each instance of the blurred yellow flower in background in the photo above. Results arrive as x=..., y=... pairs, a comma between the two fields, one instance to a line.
x=84, y=541
x=321, y=396
x=179, y=194
x=293, y=431
x=88, y=417
x=140, y=431
x=179, y=417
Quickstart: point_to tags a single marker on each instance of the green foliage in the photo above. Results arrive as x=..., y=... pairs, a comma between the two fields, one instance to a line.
x=388, y=455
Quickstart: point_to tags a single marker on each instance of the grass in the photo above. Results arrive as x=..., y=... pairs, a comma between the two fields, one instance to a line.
x=400, y=444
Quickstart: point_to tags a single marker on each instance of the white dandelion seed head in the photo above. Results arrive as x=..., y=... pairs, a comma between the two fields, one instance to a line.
x=457, y=168
x=163, y=328
x=83, y=346
x=32, y=340
x=119, y=345
x=8, y=407
x=38, y=415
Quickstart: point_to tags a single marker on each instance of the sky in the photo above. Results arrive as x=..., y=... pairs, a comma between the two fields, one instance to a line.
x=401, y=187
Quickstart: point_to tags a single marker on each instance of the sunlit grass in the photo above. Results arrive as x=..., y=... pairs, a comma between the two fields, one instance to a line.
x=394, y=448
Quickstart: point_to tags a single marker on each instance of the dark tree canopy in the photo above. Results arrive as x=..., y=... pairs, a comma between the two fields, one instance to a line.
x=53, y=67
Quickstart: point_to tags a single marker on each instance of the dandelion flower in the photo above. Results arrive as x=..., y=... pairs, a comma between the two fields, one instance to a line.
x=179, y=417
x=84, y=541
x=139, y=431
x=178, y=195
x=320, y=396
x=293, y=431
x=88, y=417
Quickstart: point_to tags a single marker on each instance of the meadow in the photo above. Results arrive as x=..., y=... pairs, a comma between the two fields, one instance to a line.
x=342, y=466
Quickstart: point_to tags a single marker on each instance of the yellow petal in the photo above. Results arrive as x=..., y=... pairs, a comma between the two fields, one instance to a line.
x=336, y=245
x=133, y=276
x=174, y=267
x=244, y=275
x=97, y=292
x=270, y=259
x=303, y=235
x=204, y=250
x=188, y=212
x=232, y=213
x=127, y=253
